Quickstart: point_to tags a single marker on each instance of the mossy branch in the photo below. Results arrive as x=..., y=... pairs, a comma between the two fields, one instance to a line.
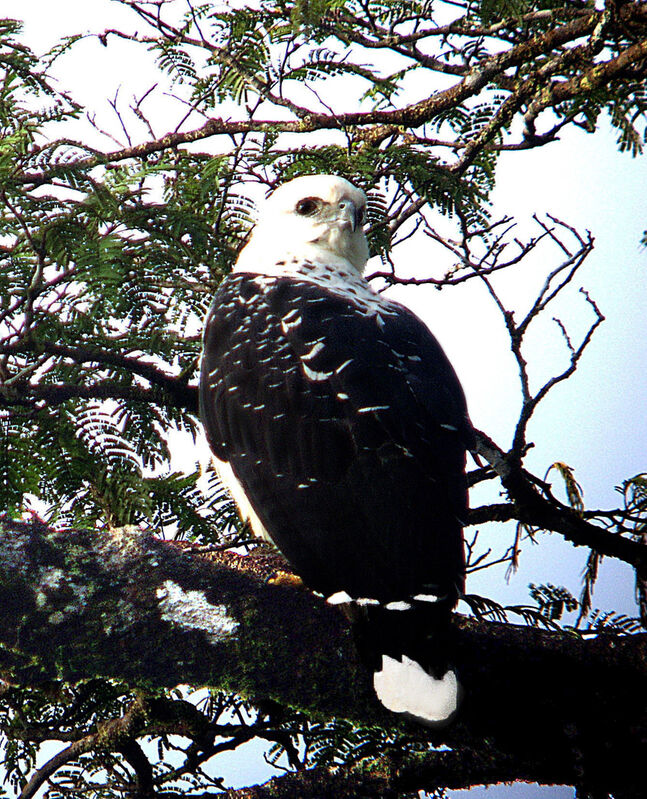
x=123, y=604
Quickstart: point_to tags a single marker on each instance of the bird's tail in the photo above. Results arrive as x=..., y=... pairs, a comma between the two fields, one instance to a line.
x=407, y=646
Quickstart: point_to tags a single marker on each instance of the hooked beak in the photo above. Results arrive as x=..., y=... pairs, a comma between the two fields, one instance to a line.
x=350, y=216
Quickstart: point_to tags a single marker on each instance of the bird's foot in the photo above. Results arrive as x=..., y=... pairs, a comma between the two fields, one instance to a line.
x=288, y=579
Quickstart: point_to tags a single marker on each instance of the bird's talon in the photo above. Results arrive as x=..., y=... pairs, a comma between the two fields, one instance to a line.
x=286, y=579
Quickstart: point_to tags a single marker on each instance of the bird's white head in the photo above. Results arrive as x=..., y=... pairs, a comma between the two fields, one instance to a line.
x=314, y=216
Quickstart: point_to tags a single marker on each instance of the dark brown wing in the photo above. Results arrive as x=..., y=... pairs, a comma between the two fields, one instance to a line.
x=347, y=430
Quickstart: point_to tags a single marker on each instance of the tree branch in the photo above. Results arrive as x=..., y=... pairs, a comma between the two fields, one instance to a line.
x=182, y=396
x=124, y=605
x=590, y=77
x=113, y=733
x=548, y=513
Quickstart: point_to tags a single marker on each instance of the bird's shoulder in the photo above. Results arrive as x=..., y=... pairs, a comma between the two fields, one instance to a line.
x=346, y=340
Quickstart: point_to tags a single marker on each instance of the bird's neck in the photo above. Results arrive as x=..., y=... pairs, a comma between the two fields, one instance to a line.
x=315, y=265
x=306, y=260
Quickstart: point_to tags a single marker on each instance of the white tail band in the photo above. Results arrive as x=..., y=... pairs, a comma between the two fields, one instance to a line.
x=405, y=687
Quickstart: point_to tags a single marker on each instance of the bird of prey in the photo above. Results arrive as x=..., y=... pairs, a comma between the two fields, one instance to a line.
x=340, y=429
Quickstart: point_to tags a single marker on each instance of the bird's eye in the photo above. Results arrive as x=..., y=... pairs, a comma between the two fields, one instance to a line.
x=307, y=207
x=359, y=216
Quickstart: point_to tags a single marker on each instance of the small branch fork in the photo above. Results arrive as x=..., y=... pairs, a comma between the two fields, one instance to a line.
x=555, y=283
x=144, y=716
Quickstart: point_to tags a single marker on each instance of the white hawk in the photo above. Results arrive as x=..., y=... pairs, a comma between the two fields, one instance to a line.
x=340, y=429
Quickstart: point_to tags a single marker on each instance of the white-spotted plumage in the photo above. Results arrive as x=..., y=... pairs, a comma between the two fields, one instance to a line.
x=398, y=605
x=339, y=598
x=340, y=429
x=317, y=348
x=312, y=374
x=427, y=597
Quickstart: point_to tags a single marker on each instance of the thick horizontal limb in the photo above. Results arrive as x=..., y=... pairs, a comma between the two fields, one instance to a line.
x=122, y=604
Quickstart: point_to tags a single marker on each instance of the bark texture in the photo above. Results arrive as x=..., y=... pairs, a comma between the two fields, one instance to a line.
x=538, y=705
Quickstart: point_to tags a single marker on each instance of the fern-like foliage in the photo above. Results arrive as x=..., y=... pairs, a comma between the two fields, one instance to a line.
x=553, y=601
x=614, y=623
x=634, y=492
